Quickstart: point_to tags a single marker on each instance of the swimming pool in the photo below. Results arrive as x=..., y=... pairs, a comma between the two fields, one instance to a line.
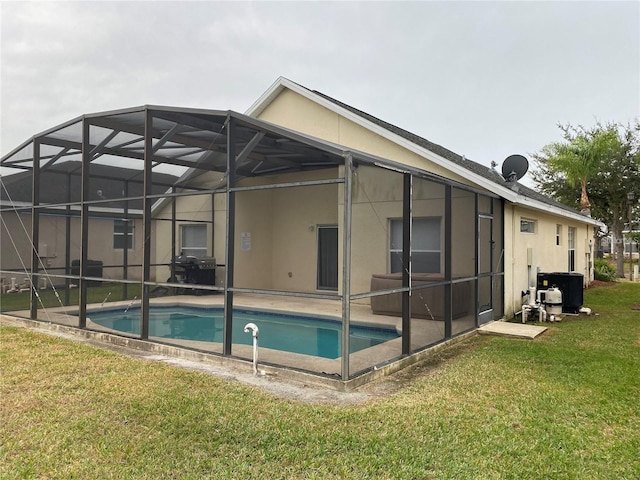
x=317, y=336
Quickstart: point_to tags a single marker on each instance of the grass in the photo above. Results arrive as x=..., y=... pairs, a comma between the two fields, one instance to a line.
x=10, y=302
x=565, y=406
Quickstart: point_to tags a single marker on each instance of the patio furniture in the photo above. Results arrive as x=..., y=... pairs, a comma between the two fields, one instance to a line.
x=425, y=303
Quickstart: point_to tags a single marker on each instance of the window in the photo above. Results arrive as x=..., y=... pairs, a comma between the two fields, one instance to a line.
x=571, y=244
x=527, y=226
x=558, y=234
x=123, y=234
x=425, y=251
x=194, y=240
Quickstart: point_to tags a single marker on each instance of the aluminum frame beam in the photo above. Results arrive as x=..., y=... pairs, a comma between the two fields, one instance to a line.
x=346, y=264
x=35, y=229
x=146, y=220
x=230, y=238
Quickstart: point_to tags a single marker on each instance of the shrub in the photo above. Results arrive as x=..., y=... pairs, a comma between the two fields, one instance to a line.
x=603, y=270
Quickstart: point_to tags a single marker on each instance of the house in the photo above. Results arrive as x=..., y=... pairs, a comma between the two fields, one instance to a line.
x=60, y=191
x=539, y=233
x=308, y=206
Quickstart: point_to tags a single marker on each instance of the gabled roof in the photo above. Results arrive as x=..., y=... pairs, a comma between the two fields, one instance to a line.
x=483, y=176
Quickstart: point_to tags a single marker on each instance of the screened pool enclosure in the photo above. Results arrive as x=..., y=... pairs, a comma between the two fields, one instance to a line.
x=176, y=225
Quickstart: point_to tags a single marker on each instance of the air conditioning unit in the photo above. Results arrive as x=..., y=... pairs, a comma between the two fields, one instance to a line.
x=571, y=286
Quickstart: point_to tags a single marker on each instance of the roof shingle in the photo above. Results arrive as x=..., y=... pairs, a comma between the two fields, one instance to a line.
x=489, y=174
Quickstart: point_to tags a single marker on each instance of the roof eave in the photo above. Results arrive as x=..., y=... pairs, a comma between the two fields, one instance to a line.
x=270, y=94
x=536, y=205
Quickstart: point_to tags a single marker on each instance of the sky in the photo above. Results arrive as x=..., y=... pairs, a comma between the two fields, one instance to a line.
x=483, y=79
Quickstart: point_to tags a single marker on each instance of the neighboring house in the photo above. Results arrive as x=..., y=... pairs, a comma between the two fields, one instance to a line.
x=60, y=188
x=556, y=237
x=631, y=246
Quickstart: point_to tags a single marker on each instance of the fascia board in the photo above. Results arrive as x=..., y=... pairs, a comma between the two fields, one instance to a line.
x=74, y=208
x=536, y=205
x=269, y=95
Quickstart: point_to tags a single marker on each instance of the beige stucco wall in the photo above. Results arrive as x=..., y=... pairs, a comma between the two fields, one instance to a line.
x=546, y=255
x=298, y=113
x=297, y=212
x=275, y=234
x=16, y=245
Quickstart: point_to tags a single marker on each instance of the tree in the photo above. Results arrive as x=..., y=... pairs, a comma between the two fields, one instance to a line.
x=606, y=166
x=580, y=156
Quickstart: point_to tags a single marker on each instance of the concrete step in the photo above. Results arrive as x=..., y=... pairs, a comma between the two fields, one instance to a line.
x=514, y=330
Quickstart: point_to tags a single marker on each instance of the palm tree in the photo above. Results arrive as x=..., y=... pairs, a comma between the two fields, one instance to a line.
x=613, y=153
x=580, y=157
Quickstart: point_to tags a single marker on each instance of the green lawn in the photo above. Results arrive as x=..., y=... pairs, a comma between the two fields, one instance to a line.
x=51, y=298
x=565, y=406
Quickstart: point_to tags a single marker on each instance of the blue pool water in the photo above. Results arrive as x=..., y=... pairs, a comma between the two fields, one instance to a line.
x=321, y=337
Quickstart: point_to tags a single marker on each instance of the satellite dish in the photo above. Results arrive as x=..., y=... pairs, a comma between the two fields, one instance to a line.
x=514, y=167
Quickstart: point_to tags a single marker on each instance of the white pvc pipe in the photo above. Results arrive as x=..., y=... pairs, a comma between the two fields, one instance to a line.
x=253, y=328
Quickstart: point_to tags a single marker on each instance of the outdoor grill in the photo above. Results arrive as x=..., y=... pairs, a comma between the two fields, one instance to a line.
x=195, y=271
